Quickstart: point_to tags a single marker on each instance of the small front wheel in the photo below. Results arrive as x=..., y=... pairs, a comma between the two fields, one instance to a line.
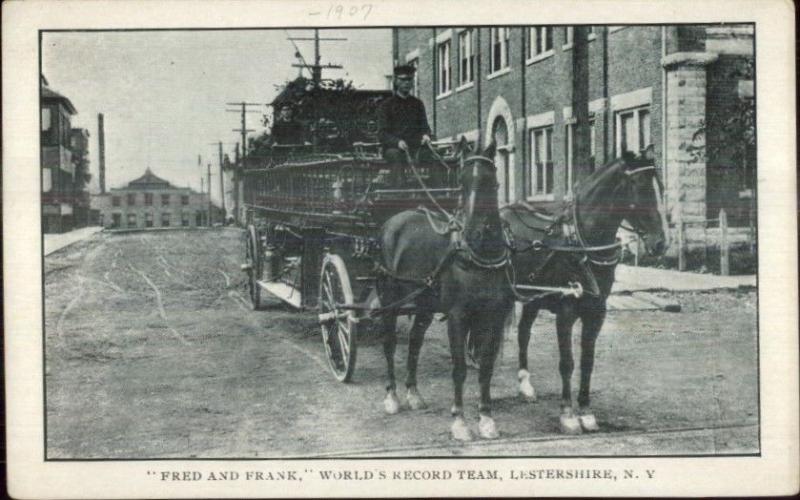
x=339, y=326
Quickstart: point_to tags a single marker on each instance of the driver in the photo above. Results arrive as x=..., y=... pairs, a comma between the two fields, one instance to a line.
x=402, y=124
x=286, y=129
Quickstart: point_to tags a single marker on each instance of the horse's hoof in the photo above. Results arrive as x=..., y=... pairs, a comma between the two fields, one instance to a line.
x=487, y=428
x=570, y=424
x=525, y=388
x=460, y=431
x=589, y=422
x=391, y=404
x=415, y=401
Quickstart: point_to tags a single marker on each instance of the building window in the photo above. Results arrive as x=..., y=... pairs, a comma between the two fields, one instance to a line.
x=116, y=220
x=541, y=145
x=184, y=199
x=539, y=41
x=148, y=220
x=499, y=49
x=131, y=199
x=415, y=90
x=164, y=219
x=115, y=201
x=131, y=220
x=466, y=57
x=632, y=130
x=184, y=219
x=198, y=219
x=148, y=199
x=164, y=199
x=443, y=62
x=569, y=36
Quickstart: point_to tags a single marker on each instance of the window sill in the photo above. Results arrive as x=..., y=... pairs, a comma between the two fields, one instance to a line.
x=499, y=72
x=466, y=86
x=541, y=197
x=445, y=95
x=540, y=57
x=567, y=46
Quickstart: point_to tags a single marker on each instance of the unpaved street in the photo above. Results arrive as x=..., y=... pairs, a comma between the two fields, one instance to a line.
x=152, y=351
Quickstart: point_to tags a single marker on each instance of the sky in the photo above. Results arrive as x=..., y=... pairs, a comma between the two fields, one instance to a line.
x=163, y=94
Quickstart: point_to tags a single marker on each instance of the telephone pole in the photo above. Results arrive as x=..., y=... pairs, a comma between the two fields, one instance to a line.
x=208, y=176
x=221, y=176
x=316, y=68
x=244, y=130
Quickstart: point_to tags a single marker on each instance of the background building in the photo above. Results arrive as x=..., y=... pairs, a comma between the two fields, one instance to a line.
x=557, y=107
x=65, y=164
x=151, y=201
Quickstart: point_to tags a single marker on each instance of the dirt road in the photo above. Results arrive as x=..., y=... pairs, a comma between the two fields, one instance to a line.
x=152, y=352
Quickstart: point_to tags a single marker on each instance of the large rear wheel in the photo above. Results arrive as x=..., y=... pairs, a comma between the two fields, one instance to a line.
x=255, y=266
x=339, y=326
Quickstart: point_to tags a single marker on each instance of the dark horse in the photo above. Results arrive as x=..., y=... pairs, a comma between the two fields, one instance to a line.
x=629, y=189
x=456, y=267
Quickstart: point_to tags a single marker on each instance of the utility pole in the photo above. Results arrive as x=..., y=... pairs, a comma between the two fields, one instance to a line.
x=221, y=176
x=208, y=175
x=316, y=68
x=244, y=130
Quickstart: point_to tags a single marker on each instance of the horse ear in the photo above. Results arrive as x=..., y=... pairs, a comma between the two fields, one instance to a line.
x=490, y=150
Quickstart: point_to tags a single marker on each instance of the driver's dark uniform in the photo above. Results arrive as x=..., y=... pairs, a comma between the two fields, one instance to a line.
x=401, y=118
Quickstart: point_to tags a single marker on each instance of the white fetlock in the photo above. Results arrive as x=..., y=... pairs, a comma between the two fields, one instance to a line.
x=487, y=428
x=589, y=422
x=460, y=431
x=390, y=403
x=415, y=401
x=525, y=386
x=569, y=424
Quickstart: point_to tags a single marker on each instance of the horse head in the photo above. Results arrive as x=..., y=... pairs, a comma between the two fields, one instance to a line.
x=483, y=230
x=642, y=199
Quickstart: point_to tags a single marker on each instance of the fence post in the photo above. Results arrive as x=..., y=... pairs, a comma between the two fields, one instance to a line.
x=724, y=255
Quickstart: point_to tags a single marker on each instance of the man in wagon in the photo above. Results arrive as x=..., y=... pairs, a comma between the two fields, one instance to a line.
x=286, y=130
x=402, y=125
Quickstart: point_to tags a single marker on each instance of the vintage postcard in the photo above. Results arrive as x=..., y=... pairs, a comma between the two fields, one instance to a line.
x=396, y=249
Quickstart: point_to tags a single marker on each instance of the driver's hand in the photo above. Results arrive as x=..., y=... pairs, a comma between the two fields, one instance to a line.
x=402, y=145
x=426, y=139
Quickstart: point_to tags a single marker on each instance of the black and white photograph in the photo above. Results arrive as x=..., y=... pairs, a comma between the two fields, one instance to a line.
x=289, y=248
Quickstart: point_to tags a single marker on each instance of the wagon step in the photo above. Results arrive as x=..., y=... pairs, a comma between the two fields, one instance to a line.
x=286, y=293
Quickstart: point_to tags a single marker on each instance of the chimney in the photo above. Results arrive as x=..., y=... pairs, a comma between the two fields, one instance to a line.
x=102, y=152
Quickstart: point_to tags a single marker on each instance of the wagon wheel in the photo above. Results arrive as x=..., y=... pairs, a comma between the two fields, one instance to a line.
x=254, y=267
x=339, y=326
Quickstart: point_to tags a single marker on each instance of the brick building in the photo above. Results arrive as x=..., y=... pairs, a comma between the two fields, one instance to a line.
x=64, y=152
x=150, y=201
x=529, y=88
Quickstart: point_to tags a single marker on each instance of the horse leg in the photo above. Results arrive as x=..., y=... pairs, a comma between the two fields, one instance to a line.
x=389, y=327
x=415, y=337
x=529, y=313
x=565, y=319
x=491, y=331
x=456, y=332
x=592, y=323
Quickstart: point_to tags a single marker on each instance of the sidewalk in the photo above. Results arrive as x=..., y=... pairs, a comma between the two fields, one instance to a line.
x=638, y=279
x=633, y=285
x=55, y=242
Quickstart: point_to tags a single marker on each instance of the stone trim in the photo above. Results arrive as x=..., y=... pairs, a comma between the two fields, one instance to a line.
x=689, y=59
x=414, y=54
x=635, y=98
x=540, y=120
x=444, y=36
